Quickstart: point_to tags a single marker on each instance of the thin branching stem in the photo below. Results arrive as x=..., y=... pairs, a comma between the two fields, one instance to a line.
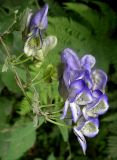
x=5, y=47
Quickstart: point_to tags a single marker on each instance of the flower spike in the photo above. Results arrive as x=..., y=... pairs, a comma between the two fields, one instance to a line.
x=86, y=98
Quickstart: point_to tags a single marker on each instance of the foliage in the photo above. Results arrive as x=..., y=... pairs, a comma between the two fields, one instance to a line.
x=85, y=26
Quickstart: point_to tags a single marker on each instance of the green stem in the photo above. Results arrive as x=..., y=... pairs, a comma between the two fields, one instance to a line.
x=21, y=86
x=50, y=105
x=36, y=76
x=37, y=3
x=54, y=122
x=40, y=81
x=5, y=47
x=21, y=55
x=57, y=111
x=25, y=60
x=69, y=149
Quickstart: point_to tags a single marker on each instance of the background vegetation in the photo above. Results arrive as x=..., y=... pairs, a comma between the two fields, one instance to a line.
x=87, y=26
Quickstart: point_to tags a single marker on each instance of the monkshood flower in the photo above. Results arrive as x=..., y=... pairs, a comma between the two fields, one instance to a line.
x=34, y=49
x=36, y=24
x=86, y=100
x=39, y=19
x=35, y=45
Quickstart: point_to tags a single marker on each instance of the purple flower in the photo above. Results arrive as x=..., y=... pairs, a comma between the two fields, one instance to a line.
x=88, y=128
x=86, y=99
x=39, y=19
x=37, y=23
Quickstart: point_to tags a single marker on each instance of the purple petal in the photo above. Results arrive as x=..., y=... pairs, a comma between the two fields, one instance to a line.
x=81, y=139
x=77, y=85
x=99, y=107
x=84, y=75
x=87, y=79
x=62, y=89
x=94, y=121
x=87, y=62
x=85, y=113
x=39, y=19
x=85, y=97
x=97, y=94
x=74, y=110
x=90, y=128
x=66, y=77
x=75, y=89
x=80, y=123
x=69, y=75
x=65, y=109
x=70, y=58
x=99, y=79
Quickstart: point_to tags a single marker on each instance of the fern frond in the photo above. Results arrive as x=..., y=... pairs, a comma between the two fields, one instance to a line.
x=24, y=106
x=48, y=93
x=112, y=146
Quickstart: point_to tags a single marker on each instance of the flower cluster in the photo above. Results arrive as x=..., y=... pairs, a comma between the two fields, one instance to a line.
x=35, y=45
x=86, y=98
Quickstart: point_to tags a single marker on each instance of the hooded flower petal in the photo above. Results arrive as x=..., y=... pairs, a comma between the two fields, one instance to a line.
x=97, y=93
x=75, y=110
x=80, y=123
x=65, y=109
x=85, y=113
x=84, y=97
x=85, y=75
x=70, y=58
x=66, y=77
x=32, y=45
x=99, y=79
x=39, y=19
x=69, y=76
x=75, y=89
x=48, y=44
x=87, y=62
x=99, y=108
x=81, y=139
x=90, y=128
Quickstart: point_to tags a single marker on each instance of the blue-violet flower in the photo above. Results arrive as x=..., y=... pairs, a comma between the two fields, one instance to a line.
x=85, y=87
x=35, y=45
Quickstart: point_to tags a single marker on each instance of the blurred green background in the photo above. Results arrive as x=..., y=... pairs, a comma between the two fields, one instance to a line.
x=86, y=26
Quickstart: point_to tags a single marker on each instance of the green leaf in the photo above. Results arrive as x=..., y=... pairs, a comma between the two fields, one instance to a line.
x=64, y=131
x=5, y=24
x=112, y=146
x=51, y=157
x=77, y=7
x=41, y=120
x=9, y=80
x=24, y=106
x=17, y=43
x=21, y=73
x=13, y=4
x=5, y=110
x=21, y=138
x=1, y=85
x=110, y=118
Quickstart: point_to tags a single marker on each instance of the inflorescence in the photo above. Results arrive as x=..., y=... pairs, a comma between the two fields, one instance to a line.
x=86, y=100
x=84, y=86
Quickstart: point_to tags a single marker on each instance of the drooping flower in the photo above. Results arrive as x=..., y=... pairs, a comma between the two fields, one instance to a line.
x=39, y=53
x=39, y=19
x=86, y=94
x=37, y=46
x=88, y=128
